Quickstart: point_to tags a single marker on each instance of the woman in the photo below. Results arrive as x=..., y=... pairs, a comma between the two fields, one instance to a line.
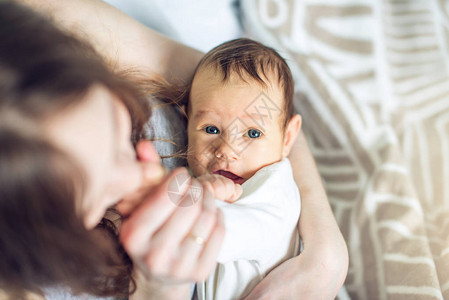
x=68, y=131
x=153, y=227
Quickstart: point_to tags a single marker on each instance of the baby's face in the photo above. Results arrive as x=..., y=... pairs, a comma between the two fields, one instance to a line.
x=234, y=128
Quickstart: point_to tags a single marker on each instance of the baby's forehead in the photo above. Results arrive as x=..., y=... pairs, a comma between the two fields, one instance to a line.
x=213, y=73
x=264, y=106
x=209, y=79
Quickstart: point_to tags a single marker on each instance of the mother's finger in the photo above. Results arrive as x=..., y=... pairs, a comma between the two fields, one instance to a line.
x=193, y=243
x=153, y=172
x=178, y=225
x=152, y=175
x=208, y=257
x=149, y=216
x=193, y=261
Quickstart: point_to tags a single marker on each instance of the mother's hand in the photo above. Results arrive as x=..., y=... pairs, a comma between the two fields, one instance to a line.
x=177, y=237
x=317, y=273
x=174, y=235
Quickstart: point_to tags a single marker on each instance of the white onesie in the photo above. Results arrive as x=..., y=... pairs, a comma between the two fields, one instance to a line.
x=261, y=233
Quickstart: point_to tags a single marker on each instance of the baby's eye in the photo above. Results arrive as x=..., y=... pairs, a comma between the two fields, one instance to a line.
x=211, y=130
x=253, y=133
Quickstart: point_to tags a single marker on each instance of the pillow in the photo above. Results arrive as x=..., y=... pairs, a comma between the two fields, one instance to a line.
x=200, y=24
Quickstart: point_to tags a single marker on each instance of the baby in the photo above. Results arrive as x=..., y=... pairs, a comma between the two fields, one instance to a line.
x=241, y=127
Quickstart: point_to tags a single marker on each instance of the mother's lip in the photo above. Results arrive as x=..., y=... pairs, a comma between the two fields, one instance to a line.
x=237, y=179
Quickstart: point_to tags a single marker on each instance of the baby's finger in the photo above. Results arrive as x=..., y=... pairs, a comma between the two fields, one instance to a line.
x=213, y=184
x=227, y=189
x=207, y=185
x=220, y=188
x=237, y=193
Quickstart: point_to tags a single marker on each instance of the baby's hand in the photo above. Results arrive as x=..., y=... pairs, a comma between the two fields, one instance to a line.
x=223, y=188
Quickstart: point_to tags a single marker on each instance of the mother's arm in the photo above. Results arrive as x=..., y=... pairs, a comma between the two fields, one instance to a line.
x=122, y=41
x=320, y=270
x=324, y=247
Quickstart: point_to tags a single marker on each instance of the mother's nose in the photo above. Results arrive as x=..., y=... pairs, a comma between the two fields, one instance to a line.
x=147, y=152
x=151, y=174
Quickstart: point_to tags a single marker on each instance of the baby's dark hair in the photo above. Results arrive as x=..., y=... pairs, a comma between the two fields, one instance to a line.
x=247, y=57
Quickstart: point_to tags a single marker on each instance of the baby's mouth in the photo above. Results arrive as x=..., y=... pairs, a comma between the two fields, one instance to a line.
x=237, y=179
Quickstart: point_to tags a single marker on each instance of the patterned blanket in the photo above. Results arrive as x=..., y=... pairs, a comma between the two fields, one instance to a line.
x=372, y=86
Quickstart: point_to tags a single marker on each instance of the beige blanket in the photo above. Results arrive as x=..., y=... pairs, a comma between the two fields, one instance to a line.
x=372, y=85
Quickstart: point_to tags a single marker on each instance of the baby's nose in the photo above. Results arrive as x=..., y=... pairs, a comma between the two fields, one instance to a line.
x=226, y=150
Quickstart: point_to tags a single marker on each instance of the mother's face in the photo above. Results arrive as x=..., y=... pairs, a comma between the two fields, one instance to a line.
x=97, y=134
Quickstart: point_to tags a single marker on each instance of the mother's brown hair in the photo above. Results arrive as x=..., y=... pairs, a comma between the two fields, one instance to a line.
x=43, y=242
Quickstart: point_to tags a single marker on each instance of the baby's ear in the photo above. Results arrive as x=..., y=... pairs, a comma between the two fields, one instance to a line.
x=291, y=132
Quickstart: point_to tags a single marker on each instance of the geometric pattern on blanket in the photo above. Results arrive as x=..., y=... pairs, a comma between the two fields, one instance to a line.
x=372, y=86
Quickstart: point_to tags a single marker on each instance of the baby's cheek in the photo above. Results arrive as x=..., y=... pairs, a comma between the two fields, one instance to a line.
x=197, y=158
x=198, y=165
